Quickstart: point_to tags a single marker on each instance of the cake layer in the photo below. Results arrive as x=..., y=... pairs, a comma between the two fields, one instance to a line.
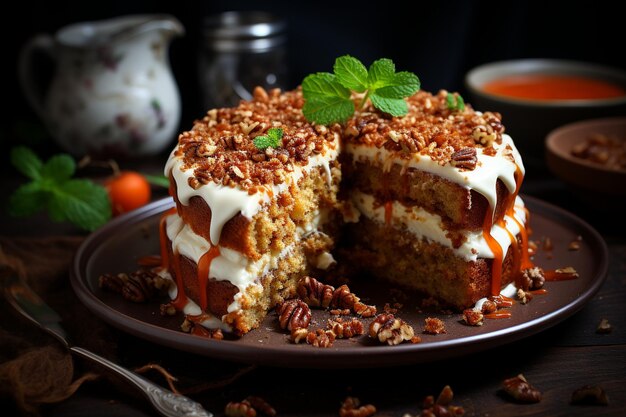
x=426, y=266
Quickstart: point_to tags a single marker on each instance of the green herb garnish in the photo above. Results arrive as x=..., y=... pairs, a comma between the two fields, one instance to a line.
x=272, y=139
x=455, y=102
x=52, y=187
x=328, y=95
x=158, y=180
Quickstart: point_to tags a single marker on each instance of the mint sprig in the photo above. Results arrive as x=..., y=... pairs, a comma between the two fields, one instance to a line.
x=328, y=96
x=455, y=102
x=273, y=139
x=52, y=188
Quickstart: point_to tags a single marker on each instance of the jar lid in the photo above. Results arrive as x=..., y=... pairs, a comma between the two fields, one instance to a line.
x=244, y=30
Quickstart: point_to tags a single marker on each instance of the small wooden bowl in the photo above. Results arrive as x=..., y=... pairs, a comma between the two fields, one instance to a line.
x=595, y=183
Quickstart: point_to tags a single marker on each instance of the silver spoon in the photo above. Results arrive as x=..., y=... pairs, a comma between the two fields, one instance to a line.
x=31, y=306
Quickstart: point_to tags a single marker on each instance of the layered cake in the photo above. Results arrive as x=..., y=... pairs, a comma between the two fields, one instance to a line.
x=428, y=201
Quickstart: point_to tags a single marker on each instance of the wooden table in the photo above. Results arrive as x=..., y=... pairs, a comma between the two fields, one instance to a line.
x=556, y=361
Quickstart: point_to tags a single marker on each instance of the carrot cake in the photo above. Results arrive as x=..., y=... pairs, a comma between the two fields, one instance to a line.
x=429, y=201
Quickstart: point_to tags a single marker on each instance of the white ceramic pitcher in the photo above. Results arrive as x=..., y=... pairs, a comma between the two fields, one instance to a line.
x=113, y=92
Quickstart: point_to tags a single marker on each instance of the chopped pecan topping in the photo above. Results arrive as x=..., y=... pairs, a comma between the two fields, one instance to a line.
x=590, y=395
x=239, y=409
x=434, y=325
x=345, y=328
x=566, y=273
x=191, y=326
x=473, y=317
x=262, y=406
x=293, y=314
x=314, y=293
x=465, y=158
x=519, y=388
x=351, y=407
x=321, y=338
x=533, y=278
x=391, y=330
x=604, y=327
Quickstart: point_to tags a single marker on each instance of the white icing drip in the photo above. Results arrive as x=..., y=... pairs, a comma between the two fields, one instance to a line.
x=482, y=179
x=324, y=260
x=227, y=202
x=428, y=226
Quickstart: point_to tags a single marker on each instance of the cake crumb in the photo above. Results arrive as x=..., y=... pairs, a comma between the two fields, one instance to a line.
x=574, y=245
x=604, y=327
x=434, y=325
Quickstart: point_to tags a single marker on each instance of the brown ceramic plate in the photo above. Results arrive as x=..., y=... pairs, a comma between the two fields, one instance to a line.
x=117, y=247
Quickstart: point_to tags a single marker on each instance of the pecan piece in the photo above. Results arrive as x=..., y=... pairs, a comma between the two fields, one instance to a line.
x=533, y=278
x=464, y=158
x=519, y=388
x=343, y=298
x=321, y=338
x=299, y=335
x=574, y=245
x=473, y=317
x=524, y=296
x=442, y=407
x=351, y=407
x=364, y=310
x=314, y=293
x=239, y=409
x=345, y=329
x=604, y=327
x=591, y=395
x=434, y=325
x=293, y=314
x=391, y=330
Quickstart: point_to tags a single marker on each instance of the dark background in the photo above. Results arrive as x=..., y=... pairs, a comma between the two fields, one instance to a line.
x=439, y=41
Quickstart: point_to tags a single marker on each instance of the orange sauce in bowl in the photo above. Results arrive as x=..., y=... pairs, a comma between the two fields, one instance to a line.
x=553, y=87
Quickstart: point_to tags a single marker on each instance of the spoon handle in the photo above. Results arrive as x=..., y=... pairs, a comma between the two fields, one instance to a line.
x=164, y=401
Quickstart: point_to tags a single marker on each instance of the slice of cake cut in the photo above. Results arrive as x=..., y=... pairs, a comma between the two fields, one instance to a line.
x=250, y=219
x=437, y=191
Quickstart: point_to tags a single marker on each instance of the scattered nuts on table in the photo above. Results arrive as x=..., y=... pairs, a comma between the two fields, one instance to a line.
x=590, y=395
x=521, y=390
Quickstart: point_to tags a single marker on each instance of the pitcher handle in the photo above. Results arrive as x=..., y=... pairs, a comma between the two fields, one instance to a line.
x=35, y=98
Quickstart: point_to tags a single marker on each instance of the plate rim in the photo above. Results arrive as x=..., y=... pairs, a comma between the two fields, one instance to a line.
x=358, y=357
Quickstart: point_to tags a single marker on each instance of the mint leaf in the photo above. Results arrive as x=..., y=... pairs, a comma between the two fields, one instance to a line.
x=351, y=73
x=273, y=139
x=321, y=85
x=327, y=101
x=328, y=110
x=328, y=96
x=403, y=84
x=455, y=102
x=27, y=200
x=393, y=106
x=82, y=202
x=59, y=168
x=381, y=73
x=26, y=162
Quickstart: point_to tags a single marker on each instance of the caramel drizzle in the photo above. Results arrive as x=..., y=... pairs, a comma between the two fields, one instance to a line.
x=556, y=275
x=498, y=315
x=388, y=212
x=204, y=267
x=521, y=258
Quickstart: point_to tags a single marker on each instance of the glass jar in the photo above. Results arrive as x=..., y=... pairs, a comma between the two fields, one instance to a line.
x=241, y=50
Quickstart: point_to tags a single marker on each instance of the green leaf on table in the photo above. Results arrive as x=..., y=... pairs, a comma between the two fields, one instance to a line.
x=26, y=162
x=82, y=202
x=52, y=188
x=158, y=180
x=27, y=200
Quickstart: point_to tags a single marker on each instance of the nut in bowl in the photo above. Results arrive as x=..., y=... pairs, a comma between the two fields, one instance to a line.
x=536, y=96
x=590, y=156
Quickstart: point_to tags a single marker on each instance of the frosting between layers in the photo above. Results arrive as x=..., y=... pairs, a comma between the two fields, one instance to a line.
x=226, y=202
x=482, y=179
x=426, y=225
